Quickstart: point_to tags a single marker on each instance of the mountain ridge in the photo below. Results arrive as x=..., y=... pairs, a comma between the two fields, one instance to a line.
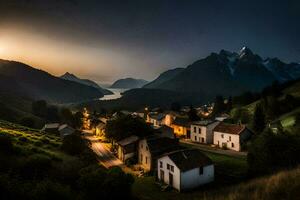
x=129, y=83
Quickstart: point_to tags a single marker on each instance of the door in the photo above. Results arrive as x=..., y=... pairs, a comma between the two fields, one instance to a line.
x=162, y=175
x=170, y=179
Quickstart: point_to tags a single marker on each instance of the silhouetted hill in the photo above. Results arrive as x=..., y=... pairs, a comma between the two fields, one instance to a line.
x=163, y=77
x=72, y=77
x=38, y=84
x=129, y=83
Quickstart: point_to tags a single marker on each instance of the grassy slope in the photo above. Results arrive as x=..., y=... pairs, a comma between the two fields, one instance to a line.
x=30, y=141
x=283, y=185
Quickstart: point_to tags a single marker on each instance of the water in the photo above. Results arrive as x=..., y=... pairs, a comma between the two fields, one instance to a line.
x=116, y=94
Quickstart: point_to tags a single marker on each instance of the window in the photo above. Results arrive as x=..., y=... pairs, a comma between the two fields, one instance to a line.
x=160, y=164
x=232, y=144
x=172, y=168
x=168, y=166
x=229, y=138
x=141, y=158
x=195, y=138
x=201, y=170
x=202, y=140
x=195, y=129
x=222, y=136
x=199, y=130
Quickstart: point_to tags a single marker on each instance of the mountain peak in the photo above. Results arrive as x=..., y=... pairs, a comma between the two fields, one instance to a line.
x=245, y=51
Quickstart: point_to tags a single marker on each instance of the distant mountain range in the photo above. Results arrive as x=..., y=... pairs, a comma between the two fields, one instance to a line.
x=129, y=83
x=72, y=77
x=226, y=73
x=20, y=80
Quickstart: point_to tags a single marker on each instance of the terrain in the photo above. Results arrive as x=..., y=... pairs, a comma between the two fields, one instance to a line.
x=129, y=83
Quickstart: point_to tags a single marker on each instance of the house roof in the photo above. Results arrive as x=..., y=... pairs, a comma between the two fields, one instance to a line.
x=158, y=116
x=230, y=128
x=180, y=121
x=188, y=159
x=100, y=125
x=204, y=122
x=128, y=140
x=164, y=131
x=51, y=126
x=161, y=145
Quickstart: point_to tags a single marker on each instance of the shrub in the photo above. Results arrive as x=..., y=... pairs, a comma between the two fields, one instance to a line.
x=73, y=144
x=6, y=145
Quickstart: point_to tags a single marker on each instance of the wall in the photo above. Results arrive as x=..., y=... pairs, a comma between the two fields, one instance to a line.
x=235, y=139
x=191, y=179
x=199, y=136
x=176, y=174
x=142, y=150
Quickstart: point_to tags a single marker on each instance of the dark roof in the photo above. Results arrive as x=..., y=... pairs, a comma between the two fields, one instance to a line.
x=128, y=140
x=165, y=131
x=180, y=121
x=158, y=116
x=204, y=122
x=230, y=128
x=161, y=145
x=188, y=159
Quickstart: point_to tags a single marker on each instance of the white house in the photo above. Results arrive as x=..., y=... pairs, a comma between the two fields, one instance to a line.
x=231, y=136
x=185, y=169
x=202, y=131
x=157, y=120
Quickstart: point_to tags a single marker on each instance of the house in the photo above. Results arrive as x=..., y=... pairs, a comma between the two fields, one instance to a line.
x=127, y=148
x=150, y=148
x=231, y=136
x=202, y=131
x=51, y=128
x=222, y=117
x=100, y=129
x=65, y=130
x=185, y=169
x=164, y=131
x=156, y=119
x=182, y=127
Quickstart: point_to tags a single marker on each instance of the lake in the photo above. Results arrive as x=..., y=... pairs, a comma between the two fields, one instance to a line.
x=116, y=94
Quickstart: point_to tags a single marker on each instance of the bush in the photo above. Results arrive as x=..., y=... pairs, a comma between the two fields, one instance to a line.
x=6, y=145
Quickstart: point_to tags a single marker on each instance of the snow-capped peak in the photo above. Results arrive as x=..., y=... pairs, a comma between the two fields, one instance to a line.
x=245, y=50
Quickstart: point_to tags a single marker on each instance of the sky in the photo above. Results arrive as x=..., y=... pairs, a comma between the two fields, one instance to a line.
x=108, y=40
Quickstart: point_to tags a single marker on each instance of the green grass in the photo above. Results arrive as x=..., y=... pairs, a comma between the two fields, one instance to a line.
x=282, y=185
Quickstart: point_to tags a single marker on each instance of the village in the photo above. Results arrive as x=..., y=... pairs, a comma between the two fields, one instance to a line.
x=173, y=153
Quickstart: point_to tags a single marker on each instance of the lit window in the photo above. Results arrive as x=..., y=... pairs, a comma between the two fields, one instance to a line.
x=201, y=170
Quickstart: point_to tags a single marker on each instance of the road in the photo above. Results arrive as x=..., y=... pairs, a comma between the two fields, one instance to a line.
x=213, y=150
x=105, y=156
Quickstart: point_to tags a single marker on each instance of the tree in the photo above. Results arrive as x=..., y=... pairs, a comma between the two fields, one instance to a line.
x=219, y=105
x=39, y=108
x=241, y=115
x=193, y=114
x=73, y=144
x=52, y=114
x=175, y=106
x=66, y=116
x=124, y=126
x=27, y=121
x=229, y=104
x=78, y=120
x=259, y=119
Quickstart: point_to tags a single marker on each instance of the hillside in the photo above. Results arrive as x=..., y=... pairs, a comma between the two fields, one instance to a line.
x=163, y=77
x=25, y=80
x=72, y=77
x=229, y=73
x=129, y=83
x=282, y=185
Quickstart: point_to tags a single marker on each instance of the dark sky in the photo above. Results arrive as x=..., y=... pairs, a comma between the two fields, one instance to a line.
x=106, y=40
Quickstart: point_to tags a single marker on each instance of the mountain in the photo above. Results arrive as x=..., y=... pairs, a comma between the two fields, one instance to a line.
x=129, y=83
x=163, y=77
x=229, y=73
x=72, y=77
x=24, y=80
